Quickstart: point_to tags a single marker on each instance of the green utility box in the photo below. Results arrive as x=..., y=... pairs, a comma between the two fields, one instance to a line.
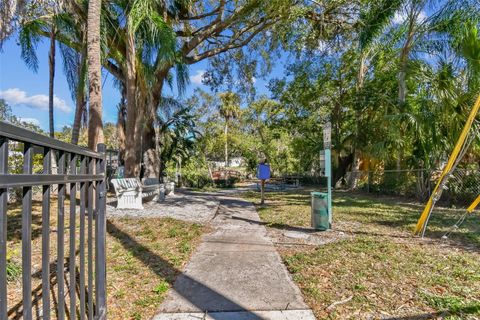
x=320, y=215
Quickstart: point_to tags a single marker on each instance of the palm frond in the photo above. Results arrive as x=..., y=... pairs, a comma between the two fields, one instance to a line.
x=29, y=38
x=375, y=19
x=71, y=65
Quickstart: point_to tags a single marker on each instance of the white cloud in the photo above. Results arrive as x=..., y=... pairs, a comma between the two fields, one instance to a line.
x=15, y=96
x=198, y=77
x=401, y=16
x=33, y=121
x=254, y=79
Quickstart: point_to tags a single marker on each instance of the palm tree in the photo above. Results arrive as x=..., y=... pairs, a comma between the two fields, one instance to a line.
x=229, y=109
x=29, y=37
x=176, y=132
x=80, y=103
x=373, y=20
x=95, y=125
x=469, y=49
x=73, y=47
x=147, y=41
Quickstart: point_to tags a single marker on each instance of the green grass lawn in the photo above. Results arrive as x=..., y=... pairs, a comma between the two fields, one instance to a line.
x=378, y=269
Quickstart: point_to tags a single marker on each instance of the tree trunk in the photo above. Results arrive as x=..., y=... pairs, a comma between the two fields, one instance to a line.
x=362, y=70
x=51, y=68
x=402, y=74
x=151, y=152
x=407, y=46
x=402, y=84
x=354, y=172
x=341, y=170
x=80, y=105
x=226, y=143
x=80, y=102
x=95, y=125
x=138, y=138
x=131, y=165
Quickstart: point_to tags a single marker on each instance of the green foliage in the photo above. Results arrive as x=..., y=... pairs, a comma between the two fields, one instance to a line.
x=14, y=270
x=162, y=287
x=109, y=132
x=374, y=18
x=454, y=306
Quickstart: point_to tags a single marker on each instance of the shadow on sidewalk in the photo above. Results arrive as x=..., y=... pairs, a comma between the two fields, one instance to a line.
x=192, y=290
x=279, y=226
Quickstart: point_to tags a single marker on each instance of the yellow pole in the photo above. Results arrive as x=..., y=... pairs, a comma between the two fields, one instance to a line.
x=453, y=157
x=474, y=204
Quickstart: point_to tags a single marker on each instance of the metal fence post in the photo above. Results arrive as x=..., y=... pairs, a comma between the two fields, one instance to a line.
x=100, y=238
x=27, y=234
x=3, y=230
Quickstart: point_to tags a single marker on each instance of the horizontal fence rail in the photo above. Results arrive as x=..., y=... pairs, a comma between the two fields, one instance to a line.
x=73, y=280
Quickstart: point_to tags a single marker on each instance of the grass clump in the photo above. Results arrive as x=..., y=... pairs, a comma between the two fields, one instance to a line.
x=14, y=270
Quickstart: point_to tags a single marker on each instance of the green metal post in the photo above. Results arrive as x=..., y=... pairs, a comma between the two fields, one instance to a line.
x=328, y=173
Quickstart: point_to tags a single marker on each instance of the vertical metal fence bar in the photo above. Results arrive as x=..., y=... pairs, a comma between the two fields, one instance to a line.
x=3, y=230
x=100, y=238
x=90, y=199
x=47, y=159
x=73, y=207
x=61, y=239
x=83, y=190
x=27, y=234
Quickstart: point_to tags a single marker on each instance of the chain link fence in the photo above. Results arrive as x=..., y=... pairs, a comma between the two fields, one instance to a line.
x=461, y=188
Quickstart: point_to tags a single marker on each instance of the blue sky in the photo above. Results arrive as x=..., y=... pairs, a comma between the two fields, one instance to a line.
x=27, y=92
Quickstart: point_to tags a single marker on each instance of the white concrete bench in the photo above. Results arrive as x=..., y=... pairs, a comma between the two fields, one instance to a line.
x=130, y=191
x=154, y=184
x=150, y=187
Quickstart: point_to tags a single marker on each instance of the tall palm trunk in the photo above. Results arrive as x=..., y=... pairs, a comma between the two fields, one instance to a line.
x=362, y=71
x=80, y=102
x=402, y=74
x=95, y=125
x=51, y=69
x=131, y=165
x=226, y=143
x=138, y=138
x=151, y=156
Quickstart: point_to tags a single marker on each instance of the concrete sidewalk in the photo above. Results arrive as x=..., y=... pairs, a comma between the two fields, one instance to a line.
x=235, y=273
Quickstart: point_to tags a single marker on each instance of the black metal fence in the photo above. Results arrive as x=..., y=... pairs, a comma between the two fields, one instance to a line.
x=79, y=275
x=461, y=188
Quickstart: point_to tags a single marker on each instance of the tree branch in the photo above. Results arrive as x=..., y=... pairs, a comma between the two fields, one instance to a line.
x=231, y=45
x=114, y=70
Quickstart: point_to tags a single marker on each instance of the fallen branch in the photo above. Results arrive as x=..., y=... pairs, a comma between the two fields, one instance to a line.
x=336, y=303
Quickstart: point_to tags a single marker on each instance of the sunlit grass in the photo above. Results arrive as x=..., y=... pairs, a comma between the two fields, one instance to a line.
x=381, y=269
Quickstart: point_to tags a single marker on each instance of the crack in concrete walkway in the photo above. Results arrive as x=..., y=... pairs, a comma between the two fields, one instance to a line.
x=235, y=273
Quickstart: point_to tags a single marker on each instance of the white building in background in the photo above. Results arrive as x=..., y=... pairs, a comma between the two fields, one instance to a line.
x=234, y=163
